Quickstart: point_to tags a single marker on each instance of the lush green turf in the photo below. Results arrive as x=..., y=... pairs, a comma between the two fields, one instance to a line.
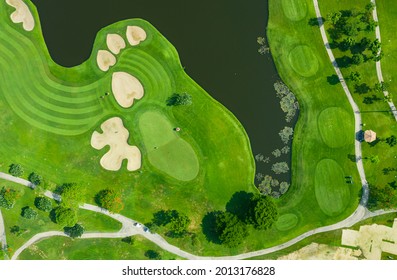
x=315, y=95
x=286, y=222
x=334, y=129
x=294, y=10
x=303, y=60
x=332, y=191
x=166, y=150
x=49, y=131
x=59, y=248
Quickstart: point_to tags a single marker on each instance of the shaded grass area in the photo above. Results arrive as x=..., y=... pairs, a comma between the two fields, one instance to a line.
x=62, y=248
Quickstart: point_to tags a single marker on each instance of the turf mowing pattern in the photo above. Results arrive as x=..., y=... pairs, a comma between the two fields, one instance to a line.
x=303, y=61
x=294, y=10
x=332, y=191
x=335, y=131
x=286, y=222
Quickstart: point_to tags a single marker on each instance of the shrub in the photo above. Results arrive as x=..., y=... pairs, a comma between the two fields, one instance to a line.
x=179, y=99
x=28, y=213
x=152, y=255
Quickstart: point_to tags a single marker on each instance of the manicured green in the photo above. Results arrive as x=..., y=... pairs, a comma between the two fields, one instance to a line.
x=303, y=61
x=334, y=129
x=332, y=192
x=286, y=222
x=294, y=10
x=166, y=150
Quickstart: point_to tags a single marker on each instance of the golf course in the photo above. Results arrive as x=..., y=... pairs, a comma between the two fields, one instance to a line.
x=119, y=124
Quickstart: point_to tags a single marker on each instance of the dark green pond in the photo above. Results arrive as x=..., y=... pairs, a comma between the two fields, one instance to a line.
x=216, y=40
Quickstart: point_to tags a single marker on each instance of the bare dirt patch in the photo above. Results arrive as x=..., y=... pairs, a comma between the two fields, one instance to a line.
x=115, y=43
x=116, y=135
x=126, y=88
x=105, y=60
x=22, y=14
x=135, y=35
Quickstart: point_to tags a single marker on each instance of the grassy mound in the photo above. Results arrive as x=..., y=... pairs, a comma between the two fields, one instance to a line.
x=303, y=61
x=294, y=10
x=286, y=222
x=165, y=149
x=335, y=128
x=332, y=192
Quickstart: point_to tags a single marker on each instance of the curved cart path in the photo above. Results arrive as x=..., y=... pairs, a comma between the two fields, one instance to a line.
x=356, y=110
x=378, y=65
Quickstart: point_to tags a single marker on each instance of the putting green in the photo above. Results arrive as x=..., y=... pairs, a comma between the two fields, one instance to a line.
x=332, y=192
x=303, y=61
x=286, y=222
x=294, y=10
x=336, y=127
x=165, y=150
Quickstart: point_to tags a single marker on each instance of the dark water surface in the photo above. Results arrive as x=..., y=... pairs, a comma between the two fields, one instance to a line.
x=216, y=41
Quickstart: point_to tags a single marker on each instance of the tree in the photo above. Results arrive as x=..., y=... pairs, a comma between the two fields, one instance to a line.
x=28, y=213
x=8, y=197
x=371, y=25
x=284, y=186
x=152, y=255
x=382, y=197
x=35, y=178
x=357, y=58
x=178, y=225
x=75, y=231
x=129, y=240
x=370, y=7
x=16, y=170
x=334, y=17
x=286, y=134
x=179, y=99
x=262, y=212
x=72, y=194
x=43, y=203
x=392, y=140
x=365, y=43
x=347, y=43
x=381, y=87
x=355, y=77
x=280, y=167
x=230, y=229
x=110, y=199
x=276, y=153
x=375, y=47
x=65, y=217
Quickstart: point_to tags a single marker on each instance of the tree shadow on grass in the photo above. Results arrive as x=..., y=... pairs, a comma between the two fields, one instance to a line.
x=208, y=226
x=333, y=80
x=344, y=61
x=239, y=203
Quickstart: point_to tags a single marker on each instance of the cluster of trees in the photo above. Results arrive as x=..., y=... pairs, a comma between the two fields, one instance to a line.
x=263, y=47
x=110, y=199
x=271, y=186
x=175, y=224
x=178, y=99
x=288, y=103
x=244, y=211
x=383, y=197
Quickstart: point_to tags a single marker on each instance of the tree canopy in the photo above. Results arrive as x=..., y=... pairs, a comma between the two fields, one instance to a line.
x=8, y=197
x=43, y=203
x=110, y=199
x=75, y=231
x=65, y=217
x=262, y=212
x=72, y=194
x=28, y=213
x=230, y=229
x=15, y=170
x=178, y=99
x=35, y=178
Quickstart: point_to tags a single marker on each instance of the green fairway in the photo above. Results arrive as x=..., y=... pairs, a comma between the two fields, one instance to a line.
x=332, y=192
x=294, y=10
x=335, y=131
x=165, y=149
x=286, y=222
x=303, y=61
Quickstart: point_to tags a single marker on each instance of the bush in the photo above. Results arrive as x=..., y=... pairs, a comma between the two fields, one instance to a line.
x=75, y=231
x=35, y=179
x=179, y=99
x=152, y=255
x=284, y=186
x=28, y=213
x=392, y=140
x=43, y=203
x=286, y=134
x=280, y=167
x=16, y=170
x=110, y=199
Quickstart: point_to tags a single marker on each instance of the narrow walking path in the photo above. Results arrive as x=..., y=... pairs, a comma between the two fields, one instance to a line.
x=3, y=239
x=356, y=110
x=378, y=64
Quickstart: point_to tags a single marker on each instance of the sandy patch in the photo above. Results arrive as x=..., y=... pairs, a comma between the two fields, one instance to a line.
x=316, y=251
x=22, y=14
x=116, y=135
x=115, y=43
x=126, y=88
x=372, y=240
x=105, y=60
x=135, y=35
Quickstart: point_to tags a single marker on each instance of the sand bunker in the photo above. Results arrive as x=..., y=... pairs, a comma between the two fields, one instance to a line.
x=316, y=251
x=22, y=14
x=105, y=60
x=116, y=135
x=115, y=43
x=126, y=88
x=372, y=240
x=135, y=35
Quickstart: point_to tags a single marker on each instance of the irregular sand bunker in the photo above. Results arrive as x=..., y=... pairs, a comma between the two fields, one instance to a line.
x=126, y=88
x=115, y=43
x=105, y=60
x=116, y=135
x=135, y=35
x=372, y=240
x=22, y=14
